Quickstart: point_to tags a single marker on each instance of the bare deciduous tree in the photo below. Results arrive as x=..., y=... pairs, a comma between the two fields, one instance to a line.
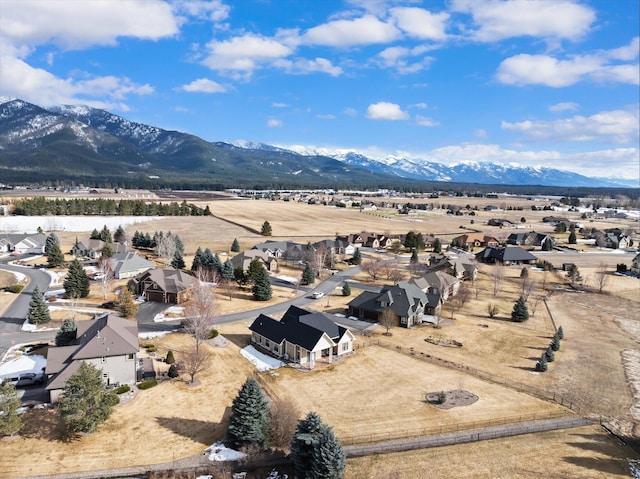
x=464, y=294
x=195, y=361
x=283, y=420
x=372, y=268
x=526, y=285
x=387, y=320
x=166, y=247
x=200, y=314
x=534, y=305
x=106, y=275
x=492, y=310
x=497, y=275
x=601, y=277
x=320, y=257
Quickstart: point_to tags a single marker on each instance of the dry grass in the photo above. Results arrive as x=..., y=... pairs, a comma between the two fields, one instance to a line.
x=586, y=452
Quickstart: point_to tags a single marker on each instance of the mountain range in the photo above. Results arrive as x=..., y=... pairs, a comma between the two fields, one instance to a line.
x=89, y=145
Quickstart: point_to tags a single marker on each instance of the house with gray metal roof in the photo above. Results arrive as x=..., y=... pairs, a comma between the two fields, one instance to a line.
x=23, y=243
x=108, y=342
x=129, y=264
x=302, y=337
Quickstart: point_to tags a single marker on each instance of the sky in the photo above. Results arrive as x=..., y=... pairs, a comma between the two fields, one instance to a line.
x=550, y=83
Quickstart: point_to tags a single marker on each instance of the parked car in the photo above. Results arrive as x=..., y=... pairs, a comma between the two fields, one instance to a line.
x=109, y=305
x=317, y=294
x=25, y=379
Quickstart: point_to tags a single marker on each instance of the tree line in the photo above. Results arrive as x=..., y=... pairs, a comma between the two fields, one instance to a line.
x=40, y=206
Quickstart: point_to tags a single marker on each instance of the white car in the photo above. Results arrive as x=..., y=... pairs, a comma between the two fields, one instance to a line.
x=317, y=294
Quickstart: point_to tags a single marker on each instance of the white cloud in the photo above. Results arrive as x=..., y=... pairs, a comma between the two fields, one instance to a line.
x=203, y=85
x=350, y=112
x=626, y=53
x=425, y=121
x=302, y=66
x=420, y=105
x=366, y=30
x=420, y=23
x=395, y=57
x=386, y=111
x=274, y=123
x=525, y=69
x=213, y=10
x=21, y=80
x=480, y=133
x=78, y=25
x=564, y=106
x=326, y=117
x=617, y=126
x=553, y=20
x=277, y=104
x=242, y=55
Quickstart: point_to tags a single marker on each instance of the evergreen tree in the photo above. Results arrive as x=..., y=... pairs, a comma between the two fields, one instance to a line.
x=67, y=332
x=255, y=266
x=555, y=343
x=541, y=365
x=85, y=404
x=549, y=354
x=170, y=358
x=414, y=257
x=547, y=246
x=179, y=244
x=227, y=271
x=107, y=250
x=266, y=229
x=262, y=286
x=308, y=275
x=572, y=238
x=119, y=236
x=95, y=234
x=328, y=458
x=38, y=309
x=76, y=283
x=55, y=258
x=357, y=257
x=235, y=246
x=127, y=306
x=560, y=332
x=50, y=241
x=249, y=422
x=105, y=235
x=177, y=262
x=197, y=260
x=346, y=289
x=217, y=263
x=437, y=246
x=10, y=420
x=304, y=441
x=520, y=312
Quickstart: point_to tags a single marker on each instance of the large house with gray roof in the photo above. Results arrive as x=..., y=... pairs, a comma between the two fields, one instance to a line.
x=163, y=285
x=23, y=243
x=506, y=256
x=302, y=337
x=108, y=342
x=129, y=264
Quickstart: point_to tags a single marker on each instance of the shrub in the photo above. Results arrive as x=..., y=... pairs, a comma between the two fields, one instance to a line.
x=442, y=397
x=151, y=348
x=14, y=288
x=549, y=354
x=170, y=359
x=621, y=268
x=212, y=334
x=173, y=371
x=555, y=343
x=149, y=383
x=122, y=389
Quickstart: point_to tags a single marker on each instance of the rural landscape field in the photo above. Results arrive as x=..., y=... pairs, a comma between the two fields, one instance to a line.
x=378, y=393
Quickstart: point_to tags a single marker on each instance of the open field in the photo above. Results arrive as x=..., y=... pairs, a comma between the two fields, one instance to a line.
x=587, y=453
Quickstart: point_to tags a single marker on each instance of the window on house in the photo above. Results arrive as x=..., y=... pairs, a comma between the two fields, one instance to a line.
x=276, y=349
x=130, y=357
x=267, y=343
x=345, y=347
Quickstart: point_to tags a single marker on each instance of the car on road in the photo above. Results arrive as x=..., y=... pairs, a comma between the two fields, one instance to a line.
x=317, y=295
x=109, y=305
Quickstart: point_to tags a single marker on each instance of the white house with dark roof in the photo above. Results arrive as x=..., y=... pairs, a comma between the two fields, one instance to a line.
x=23, y=243
x=108, y=342
x=302, y=337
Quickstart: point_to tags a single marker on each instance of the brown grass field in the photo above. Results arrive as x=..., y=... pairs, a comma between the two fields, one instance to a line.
x=379, y=392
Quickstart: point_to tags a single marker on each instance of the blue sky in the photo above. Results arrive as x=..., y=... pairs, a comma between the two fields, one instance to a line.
x=535, y=82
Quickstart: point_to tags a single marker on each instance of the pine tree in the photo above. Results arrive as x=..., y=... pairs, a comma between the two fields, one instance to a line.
x=119, y=236
x=105, y=235
x=227, y=271
x=520, y=312
x=541, y=365
x=262, y=286
x=572, y=238
x=85, y=404
x=266, y=229
x=170, y=359
x=197, y=260
x=308, y=275
x=249, y=422
x=560, y=332
x=549, y=354
x=555, y=343
x=235, y=246
x=255, y=266
x=10, y=420
x=304, y=441
x=95, y=234
x=357, y=257
x=127, y=306
x=107, y=250
x=437, y=246
x=328, y=458
x=50, y=241
x=55, y=258
x=346, y=289
x=38, y=309
x=414, y=257
x=67, y=332
x=177, y=262
x=76, y=283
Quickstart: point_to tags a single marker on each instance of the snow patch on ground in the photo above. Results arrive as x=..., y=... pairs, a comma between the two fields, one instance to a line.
x=23, y=364
x=262, y=362
x=154, y=334
x=174, y=313
x=288, y=279
x=56, y=276
x=219, y=452
x=30, y=224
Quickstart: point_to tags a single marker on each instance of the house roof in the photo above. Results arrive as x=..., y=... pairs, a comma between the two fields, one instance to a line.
x=28, y=240
x=129, y=262
x=168, y=279
x=404, y=298
x=512, y=253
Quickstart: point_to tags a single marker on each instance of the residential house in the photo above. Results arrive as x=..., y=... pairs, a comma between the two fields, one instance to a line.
x=404, y=300
x=376, y=241
x=129, y=264
x=438, y=282
x=243, y=260
x=289, y=251
x=474, y=240
x=507, y=256
x=23, y=243
x=555, y=221
x=108, y=342
x=166, y=285
x=617, y=240
x=92, y=248
x=459, y=267
x=500, y=222
x=635, y=265
x=532, y=239
x=302, y=337
x=356, y=239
